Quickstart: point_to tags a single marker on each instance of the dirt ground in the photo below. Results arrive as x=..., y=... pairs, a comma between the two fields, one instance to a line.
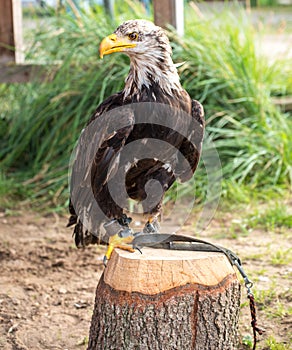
x=47, y=286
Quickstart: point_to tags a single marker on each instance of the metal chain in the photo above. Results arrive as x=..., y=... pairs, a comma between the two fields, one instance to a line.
x=252, y=305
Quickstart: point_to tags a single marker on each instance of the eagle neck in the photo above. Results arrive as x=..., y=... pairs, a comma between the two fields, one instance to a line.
x=148, y=71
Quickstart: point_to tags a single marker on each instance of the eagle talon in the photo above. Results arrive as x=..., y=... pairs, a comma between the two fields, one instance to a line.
x=137, y=248
x=104, y=261
x=122, y=238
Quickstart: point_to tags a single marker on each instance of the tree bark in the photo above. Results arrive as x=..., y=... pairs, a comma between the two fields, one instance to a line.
x=166, y=300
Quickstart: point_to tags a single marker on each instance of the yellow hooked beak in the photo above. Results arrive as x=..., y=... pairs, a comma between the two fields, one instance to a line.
x=112, y=44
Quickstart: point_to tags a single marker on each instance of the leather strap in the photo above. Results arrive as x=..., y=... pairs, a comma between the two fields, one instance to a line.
x=181, y=242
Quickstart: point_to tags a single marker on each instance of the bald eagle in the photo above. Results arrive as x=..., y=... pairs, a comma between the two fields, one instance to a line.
x=152, y=79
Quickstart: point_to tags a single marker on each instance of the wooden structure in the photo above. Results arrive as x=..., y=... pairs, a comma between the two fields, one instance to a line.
x=12, y=66
x=166, y=300
x=11, y=45
x=169, y=12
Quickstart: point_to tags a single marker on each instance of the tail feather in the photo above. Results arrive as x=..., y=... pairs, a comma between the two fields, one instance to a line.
x=83, y=237
x=73, y=217
x=72, y=220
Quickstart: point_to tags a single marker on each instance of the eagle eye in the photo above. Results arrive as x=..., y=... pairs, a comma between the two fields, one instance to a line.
x=133, y=36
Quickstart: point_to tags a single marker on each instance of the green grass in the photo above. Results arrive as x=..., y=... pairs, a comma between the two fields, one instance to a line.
x=279, y=311
x=281, y=257
x=272, y=218
x=236, y=88
x=41, y=121
x=274, y=345
x=266, y=212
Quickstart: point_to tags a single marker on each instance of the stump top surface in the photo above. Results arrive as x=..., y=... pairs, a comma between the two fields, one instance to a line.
x=158, y=270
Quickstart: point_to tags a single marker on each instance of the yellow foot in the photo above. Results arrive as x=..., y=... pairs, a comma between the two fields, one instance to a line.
x=120, y=240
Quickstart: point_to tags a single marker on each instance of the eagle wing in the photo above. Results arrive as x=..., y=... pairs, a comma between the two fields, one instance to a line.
x=191, y=147
x=96, y=162
x=106, y=161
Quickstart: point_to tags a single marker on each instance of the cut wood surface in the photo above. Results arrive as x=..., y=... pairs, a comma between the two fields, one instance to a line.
x=166, y=300
x=158, y=270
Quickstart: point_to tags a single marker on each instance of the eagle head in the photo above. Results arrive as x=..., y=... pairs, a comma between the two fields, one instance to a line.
x=136, y=38
x=149, y=50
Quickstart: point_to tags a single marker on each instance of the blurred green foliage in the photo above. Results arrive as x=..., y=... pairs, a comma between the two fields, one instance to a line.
x=40, y=121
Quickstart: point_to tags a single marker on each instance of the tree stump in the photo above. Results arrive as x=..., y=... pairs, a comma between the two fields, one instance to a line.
x=166, y=300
